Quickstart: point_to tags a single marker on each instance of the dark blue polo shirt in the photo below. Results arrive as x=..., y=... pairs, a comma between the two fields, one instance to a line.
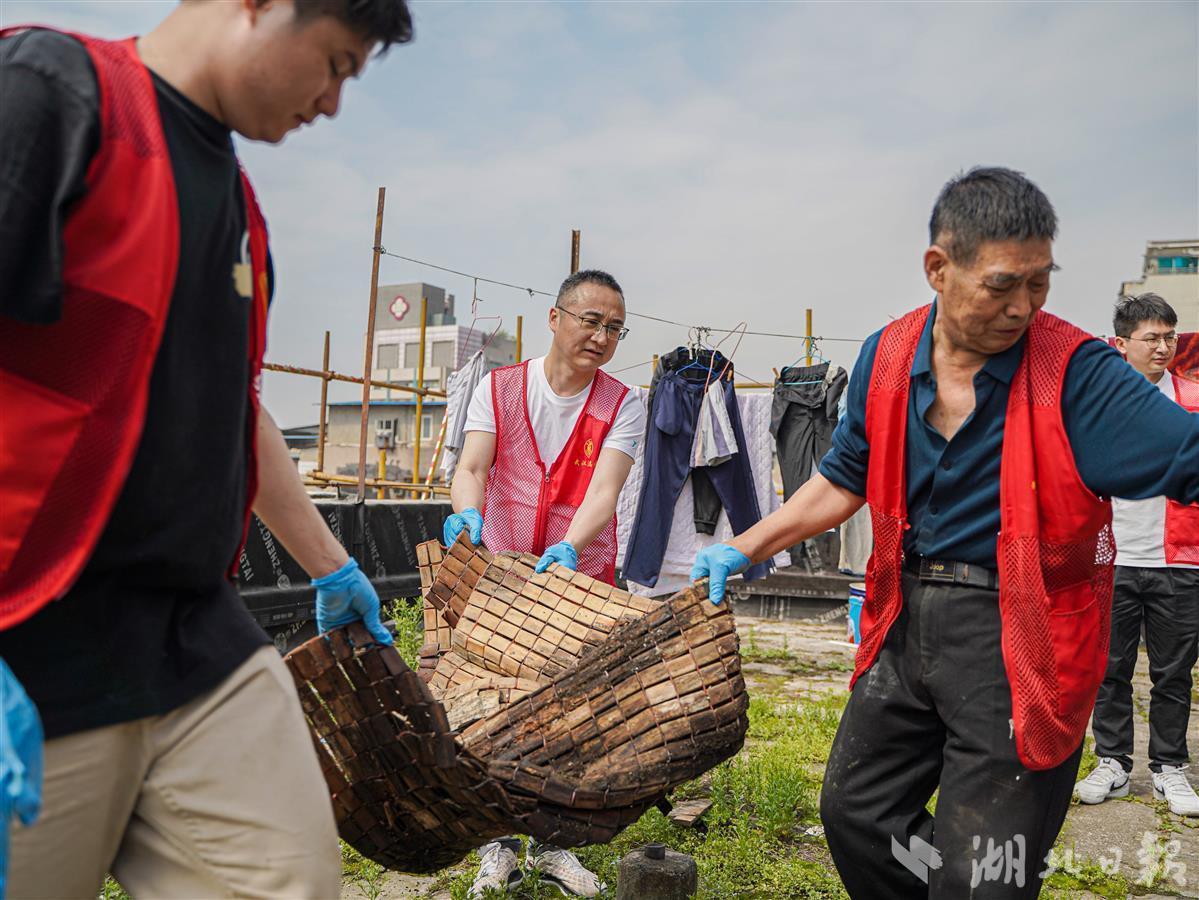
x=1129, y=440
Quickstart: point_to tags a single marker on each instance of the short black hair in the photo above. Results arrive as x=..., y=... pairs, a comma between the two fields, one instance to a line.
x=1131, y=311
x=386, y=21
x=587, y=276
x=989, y=204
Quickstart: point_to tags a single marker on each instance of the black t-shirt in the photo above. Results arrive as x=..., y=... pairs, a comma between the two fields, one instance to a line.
x=153, y=620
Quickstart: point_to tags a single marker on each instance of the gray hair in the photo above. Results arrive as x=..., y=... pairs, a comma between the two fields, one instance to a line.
x=989, y=204
x=1131, y=311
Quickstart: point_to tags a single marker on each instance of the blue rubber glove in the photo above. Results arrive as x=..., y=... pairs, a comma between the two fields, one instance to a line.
x=563, y=553
x=455, y=524
x=20, y=760
x=346, y=596
x=717, y=563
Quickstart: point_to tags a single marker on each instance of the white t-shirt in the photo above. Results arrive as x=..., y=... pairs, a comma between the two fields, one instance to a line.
x=553, y=417
x=1140, y=525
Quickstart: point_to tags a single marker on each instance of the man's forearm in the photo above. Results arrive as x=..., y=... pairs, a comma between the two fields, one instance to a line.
x=815, y=508
x=286, y=509
x=466, y=490
x=592, y=516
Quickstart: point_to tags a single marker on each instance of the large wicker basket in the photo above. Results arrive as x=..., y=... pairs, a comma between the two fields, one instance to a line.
x=556, y=706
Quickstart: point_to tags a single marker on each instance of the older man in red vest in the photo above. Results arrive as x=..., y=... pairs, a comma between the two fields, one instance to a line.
x=982, y=432
x=549, y=444
x=134, y=284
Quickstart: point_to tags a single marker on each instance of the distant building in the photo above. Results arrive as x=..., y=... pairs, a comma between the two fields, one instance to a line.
x=1171, y=270
x=396, y=418
x=396, y=354
x=448, y=343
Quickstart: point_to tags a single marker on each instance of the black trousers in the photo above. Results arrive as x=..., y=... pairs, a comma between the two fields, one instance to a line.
x=1166, y=602
x=935, y=710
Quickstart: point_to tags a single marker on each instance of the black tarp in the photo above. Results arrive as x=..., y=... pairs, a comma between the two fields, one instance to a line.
x=382, y=535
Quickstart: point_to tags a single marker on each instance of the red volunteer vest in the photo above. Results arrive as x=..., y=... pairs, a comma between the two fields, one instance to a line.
x=74, y=392
x=1055, y=549
x=1182, y=521
x=528, y=506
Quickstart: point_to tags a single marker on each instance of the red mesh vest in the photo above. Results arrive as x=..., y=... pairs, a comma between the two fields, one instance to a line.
x=74, y=392
x=1055, y=547
x=1182, y=521
x=528, y=506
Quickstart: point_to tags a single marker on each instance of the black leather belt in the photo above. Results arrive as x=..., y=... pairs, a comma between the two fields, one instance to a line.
x=950, y=572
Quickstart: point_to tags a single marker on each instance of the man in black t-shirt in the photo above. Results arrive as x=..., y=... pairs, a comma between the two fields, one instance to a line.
x=176, y=753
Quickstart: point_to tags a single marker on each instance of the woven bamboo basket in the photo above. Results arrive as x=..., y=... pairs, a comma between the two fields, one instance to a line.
x=552, y=705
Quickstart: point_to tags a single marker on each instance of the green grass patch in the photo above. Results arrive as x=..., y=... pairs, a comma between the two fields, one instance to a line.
x=408, y=616
x=1086, y=877
x=789, y=660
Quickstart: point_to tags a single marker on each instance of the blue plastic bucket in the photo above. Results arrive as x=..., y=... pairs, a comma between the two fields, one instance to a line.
x=857, y=595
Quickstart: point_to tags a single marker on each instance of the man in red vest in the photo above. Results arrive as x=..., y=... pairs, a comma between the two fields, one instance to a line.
x=134, y=283
x=980, y=430
x=1157, y=585
x=549, y=444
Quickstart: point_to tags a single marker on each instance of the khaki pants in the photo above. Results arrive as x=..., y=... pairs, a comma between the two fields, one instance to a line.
x=222, y=797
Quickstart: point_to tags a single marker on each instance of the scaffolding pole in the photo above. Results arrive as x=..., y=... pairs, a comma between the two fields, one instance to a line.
x=321, y=428
x=368, y=352
x=420, y=398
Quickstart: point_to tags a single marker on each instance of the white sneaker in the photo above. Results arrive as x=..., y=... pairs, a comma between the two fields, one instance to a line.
x=562, y=869
x=1107, y=780
x=1171, y=785
x=499, y=869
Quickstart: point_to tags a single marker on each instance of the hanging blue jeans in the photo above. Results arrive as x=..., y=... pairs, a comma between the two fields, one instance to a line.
x=667, y=466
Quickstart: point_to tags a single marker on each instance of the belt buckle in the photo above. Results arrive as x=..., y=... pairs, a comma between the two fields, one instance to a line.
x=935, y=570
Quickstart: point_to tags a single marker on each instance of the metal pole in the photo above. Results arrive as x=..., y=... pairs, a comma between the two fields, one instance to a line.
x=381, y=493
x=445, y=420
x=368, y=352
x=350, y=379
x=322, y=433
x=420, y=399
x=520, y=327
x=574, y=250
x=808, y=342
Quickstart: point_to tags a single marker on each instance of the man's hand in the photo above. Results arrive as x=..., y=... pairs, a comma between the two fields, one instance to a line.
x=20, y=760
x=346, y=596
x=563, y=553
x=456, y=523
x=717, y=563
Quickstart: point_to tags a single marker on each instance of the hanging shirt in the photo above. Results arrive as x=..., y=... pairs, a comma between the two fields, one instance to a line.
x=553, y=417
x=715, y=441
x=1140, y=525
x=459, y=389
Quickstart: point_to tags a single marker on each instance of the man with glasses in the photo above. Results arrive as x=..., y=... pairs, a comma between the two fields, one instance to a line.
x=549, y=444
x=1157, y=584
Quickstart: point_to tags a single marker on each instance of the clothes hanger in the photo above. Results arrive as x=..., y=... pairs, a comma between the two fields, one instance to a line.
x=813, y=352
x=695, y=335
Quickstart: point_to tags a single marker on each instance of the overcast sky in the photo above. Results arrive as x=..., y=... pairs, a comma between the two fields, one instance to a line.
x=725, y=161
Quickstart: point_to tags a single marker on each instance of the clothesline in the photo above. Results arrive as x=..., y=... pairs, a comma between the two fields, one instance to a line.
x=534, y=292
x=649, y=362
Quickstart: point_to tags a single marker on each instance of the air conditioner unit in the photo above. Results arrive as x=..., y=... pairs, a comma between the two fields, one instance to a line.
x=385, y=438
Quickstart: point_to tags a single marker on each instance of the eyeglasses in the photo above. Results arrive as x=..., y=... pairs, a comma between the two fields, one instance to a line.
x=595, y=326
x=1153, y=340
